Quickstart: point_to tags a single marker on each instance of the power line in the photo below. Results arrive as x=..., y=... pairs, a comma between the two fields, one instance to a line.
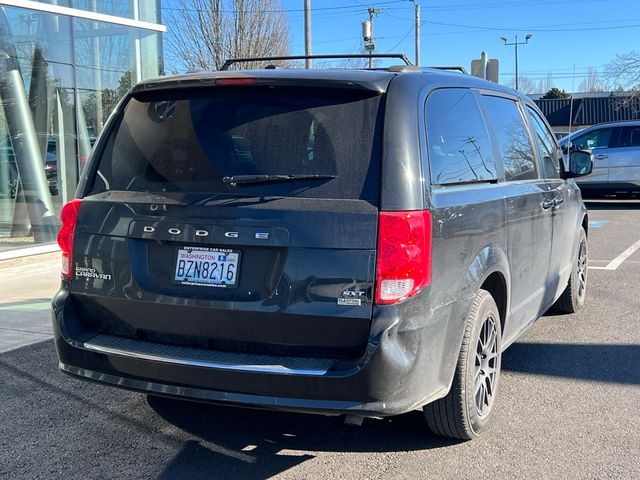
x=400, y=41
x=534, y=29
x=353, y=8
x=508, y=4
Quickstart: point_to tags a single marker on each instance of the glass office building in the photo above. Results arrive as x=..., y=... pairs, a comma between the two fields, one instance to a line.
x=64, y=64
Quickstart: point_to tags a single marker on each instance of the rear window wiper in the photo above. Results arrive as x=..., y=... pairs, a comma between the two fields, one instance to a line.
x=248, y=179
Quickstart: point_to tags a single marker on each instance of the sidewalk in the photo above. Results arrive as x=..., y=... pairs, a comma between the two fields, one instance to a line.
x=26, y=287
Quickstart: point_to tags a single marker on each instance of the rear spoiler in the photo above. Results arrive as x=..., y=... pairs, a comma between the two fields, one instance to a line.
x=312, y=79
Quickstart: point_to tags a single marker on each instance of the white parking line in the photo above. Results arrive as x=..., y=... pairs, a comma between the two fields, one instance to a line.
x=616, y=262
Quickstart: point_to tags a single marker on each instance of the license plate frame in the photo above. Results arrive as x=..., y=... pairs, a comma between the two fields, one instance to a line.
x=200, y=256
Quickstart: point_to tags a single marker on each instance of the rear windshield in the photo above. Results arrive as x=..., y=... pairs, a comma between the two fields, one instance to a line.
x=189, y=140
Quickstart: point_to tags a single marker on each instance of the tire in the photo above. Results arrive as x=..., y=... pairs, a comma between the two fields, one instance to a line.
x=573, y=297
x=467, y=409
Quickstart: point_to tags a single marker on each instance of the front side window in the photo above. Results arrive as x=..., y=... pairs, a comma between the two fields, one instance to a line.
x=549, y=151
x=593, y=140
x=513, y=138
x=459, y=145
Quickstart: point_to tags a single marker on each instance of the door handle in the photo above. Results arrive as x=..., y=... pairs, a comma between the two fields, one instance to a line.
x=602, y=156
x=557, y=202
x=548, y=203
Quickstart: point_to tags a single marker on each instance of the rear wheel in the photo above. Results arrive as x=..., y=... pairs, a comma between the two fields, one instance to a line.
x=467, y=409
x=572, y=299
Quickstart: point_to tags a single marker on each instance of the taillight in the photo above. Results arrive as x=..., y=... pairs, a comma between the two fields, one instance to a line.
x=404, y=255
x=69, y=217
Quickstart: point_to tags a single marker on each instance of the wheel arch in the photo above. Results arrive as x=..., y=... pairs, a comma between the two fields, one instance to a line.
x=496, y=284
x=490, y=271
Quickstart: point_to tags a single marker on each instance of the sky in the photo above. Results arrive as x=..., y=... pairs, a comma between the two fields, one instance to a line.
x=568, y=36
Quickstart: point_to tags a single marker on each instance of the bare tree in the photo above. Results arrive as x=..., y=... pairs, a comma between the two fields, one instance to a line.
x=525, y=85
x=592, y=83
x=623, y=73
x=202, y=34
x=546, y=84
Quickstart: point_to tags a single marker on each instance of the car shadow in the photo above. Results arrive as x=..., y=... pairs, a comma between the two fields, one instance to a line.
x=259, y=444
x=256, y=444
x=614, y=363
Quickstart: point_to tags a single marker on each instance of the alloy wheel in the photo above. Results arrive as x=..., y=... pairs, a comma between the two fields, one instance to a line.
x=486, y=366
x=582, y=270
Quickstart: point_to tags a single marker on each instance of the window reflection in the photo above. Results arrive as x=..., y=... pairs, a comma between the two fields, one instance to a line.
x=459, y=147
x=551, y=154
x=513, y=139
x=50, y=64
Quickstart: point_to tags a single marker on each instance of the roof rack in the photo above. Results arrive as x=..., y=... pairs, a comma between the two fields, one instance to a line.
x=402, y=56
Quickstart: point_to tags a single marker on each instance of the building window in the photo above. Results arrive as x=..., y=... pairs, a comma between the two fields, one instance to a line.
x=59, y=80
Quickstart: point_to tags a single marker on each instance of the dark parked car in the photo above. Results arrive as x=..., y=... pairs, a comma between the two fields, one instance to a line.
x=360, y=242
x=50, y=165
x=616, y=150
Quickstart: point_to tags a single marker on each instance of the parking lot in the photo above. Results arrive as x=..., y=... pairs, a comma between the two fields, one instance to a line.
x=568, y=406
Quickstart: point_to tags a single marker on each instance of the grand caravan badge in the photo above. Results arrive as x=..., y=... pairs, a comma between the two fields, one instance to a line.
x=89, y=272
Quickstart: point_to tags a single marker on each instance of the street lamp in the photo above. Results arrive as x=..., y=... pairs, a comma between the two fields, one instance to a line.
x=515, y=44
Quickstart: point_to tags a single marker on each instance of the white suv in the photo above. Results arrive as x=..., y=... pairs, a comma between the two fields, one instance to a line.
x=616, y=150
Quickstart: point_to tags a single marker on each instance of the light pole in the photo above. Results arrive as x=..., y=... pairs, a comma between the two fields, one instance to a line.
x=515, y=44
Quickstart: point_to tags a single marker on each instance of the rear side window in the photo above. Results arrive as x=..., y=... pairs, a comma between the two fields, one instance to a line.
x=513, y=138
x=459, y=145
x=188, y=140
x=630, y=137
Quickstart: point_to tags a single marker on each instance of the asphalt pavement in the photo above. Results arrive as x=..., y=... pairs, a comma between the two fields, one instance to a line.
x=568, y=405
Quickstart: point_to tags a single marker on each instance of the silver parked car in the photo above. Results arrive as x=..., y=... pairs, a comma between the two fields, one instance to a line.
x=616, y=149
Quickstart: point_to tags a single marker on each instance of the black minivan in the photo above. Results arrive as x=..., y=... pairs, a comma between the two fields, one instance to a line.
x=359, y=242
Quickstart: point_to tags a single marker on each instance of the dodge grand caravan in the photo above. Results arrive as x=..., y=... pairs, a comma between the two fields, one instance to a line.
x=359, y=242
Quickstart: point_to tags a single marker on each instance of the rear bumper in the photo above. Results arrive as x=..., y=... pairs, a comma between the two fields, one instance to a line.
x=401, y=370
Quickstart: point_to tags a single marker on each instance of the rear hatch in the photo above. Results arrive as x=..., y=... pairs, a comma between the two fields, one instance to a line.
x=237, y=218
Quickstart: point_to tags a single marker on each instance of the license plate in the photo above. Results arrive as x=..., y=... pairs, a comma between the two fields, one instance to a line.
x=207, y=267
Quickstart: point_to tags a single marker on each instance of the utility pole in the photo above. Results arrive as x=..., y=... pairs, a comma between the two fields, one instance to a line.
x=515, y=44
x=372, y=12
x=307, y=33
x=417, y=32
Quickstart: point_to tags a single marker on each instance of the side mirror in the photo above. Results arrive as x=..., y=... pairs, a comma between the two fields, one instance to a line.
x=580, y=163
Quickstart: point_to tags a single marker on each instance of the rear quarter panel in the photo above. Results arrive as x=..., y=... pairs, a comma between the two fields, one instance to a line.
x=469, y=235
x=468, y=229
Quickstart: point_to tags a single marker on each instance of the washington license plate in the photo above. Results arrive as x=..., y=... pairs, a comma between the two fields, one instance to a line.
x=207, y=267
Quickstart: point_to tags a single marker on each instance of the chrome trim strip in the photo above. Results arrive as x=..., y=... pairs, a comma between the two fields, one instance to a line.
x=280, y=369
x=84, y=14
